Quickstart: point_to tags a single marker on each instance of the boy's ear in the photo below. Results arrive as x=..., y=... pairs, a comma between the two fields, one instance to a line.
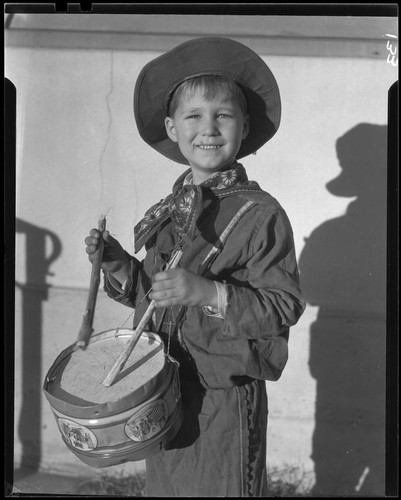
x=245, y=131
x=170, y=128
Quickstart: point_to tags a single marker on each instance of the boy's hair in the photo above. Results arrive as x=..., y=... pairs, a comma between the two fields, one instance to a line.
x=212, y=86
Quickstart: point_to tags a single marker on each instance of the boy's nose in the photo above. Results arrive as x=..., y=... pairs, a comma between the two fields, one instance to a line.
x=209, y=127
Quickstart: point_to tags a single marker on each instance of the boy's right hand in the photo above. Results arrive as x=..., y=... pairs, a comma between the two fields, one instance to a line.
x=114, y=258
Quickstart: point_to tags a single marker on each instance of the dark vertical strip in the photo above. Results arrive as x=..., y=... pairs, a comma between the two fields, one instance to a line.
x=392, y=399
x=9, y=275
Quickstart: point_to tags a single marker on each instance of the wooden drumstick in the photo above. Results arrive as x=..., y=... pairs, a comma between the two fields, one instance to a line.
x=86, y=328
x=122, y=358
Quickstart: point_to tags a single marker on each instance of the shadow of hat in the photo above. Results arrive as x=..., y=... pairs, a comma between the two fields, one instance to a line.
x=362, y=154
x=206, y=56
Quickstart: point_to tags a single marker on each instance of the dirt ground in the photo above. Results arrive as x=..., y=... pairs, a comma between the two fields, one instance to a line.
x=33, y=482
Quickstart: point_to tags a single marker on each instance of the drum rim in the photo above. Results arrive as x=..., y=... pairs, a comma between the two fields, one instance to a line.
x=108, y=408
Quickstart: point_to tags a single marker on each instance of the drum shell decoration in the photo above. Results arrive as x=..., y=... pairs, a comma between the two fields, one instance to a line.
x=132, y=427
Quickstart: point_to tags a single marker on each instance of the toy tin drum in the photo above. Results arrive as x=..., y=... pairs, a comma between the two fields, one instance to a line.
x=130, y=420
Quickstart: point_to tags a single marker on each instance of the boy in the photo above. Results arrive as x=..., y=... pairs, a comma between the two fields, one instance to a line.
x=207, y=103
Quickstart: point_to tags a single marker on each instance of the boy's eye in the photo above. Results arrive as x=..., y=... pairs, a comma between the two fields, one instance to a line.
x=193, y=116
x=224, y=115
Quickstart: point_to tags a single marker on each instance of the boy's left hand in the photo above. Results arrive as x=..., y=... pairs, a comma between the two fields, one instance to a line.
x=182, y=287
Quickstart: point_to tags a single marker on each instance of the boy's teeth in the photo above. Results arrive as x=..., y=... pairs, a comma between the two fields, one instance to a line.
x=208, y=147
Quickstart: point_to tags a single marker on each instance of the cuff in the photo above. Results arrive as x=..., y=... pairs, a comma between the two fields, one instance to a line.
x=114, y=283
x=221, y=302
x=117, y=290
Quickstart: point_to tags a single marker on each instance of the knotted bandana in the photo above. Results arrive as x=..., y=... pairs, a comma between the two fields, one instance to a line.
x=184, y=204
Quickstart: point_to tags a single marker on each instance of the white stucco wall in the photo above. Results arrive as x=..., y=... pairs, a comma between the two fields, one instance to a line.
x=79, y=155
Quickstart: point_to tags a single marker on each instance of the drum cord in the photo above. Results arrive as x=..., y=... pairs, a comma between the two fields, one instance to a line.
x=143, y=298
x=178, y=246
x=119, y=327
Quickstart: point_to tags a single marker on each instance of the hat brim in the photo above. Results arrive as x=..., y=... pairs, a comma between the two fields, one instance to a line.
x=206, y=56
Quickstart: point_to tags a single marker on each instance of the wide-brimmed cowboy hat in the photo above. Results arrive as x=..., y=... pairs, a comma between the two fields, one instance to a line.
x=206, y=56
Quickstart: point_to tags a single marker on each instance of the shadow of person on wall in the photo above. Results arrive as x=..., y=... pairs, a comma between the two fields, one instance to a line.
x=34, y=293
x=343, y=272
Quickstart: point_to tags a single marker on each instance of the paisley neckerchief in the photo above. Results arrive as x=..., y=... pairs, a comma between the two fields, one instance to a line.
x=184, y=204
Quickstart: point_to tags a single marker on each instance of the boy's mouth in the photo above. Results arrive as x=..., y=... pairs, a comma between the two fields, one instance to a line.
x=209, y=146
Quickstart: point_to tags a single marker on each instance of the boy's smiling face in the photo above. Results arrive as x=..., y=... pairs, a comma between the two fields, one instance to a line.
x=209, y=132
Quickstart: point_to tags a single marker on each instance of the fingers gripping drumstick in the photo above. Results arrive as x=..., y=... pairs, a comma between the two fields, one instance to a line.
x=122, y=359
x=86, y=327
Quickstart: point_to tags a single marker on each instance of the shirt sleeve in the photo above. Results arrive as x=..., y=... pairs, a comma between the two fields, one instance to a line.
x=273, y=301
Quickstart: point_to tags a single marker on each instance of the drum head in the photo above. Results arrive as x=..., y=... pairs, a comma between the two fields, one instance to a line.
x=81, y=372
